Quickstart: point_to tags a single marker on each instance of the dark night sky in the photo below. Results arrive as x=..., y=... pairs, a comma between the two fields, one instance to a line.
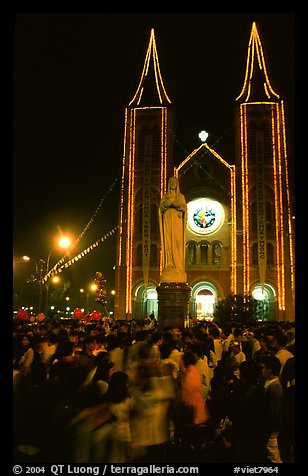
x=73, y=76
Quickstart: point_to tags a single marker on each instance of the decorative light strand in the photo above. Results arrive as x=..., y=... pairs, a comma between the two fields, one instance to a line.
x=86, y=228
x=151, y=53
x=255, y=48
x=81, y=254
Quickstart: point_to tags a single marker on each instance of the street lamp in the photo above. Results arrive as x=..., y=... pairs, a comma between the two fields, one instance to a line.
x=93, y=288
x=39, y=269
x=81, y=291
x=54, y=280
x=42, y=267
x=63, y=242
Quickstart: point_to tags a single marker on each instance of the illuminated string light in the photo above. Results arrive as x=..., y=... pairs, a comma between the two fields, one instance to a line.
x=86, y=228
x=81, y=254
x=151, y=54
x=255, y=49
x=232, y=195
x=273, y=107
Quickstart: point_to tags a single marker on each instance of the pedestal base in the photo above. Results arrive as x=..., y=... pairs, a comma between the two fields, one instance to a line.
x=173, y=299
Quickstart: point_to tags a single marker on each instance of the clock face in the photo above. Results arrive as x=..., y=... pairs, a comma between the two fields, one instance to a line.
x=204, y=216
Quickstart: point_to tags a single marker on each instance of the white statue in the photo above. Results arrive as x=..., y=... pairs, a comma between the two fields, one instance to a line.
x=172, y=224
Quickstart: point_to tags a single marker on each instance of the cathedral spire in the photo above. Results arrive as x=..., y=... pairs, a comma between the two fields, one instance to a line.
x=159, y=85
x=256, y=86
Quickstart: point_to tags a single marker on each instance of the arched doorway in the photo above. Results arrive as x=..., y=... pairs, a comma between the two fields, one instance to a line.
x=145, y=302
x=267, y=299
x=204, y=297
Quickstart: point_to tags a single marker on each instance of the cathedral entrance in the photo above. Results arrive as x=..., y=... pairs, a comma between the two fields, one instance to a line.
x=145, y=302
x=267, y=300
x=204, y=297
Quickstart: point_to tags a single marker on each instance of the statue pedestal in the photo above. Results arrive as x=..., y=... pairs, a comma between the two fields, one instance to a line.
x=173, y=299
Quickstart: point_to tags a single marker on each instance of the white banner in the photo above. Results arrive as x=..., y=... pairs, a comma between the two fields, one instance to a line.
x=261, y=217
x=146, y=215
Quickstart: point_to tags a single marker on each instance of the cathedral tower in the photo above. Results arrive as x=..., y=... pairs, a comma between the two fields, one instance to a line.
x=147, y=165
x=265, y=243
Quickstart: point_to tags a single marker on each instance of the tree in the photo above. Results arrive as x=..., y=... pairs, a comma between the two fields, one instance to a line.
x=237, y=308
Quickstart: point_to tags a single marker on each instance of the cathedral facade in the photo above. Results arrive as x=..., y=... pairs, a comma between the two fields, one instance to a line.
x=239, y=231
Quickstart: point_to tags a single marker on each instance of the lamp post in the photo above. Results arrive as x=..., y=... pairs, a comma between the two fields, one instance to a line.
x=64, y=242
x=42, y=267
x=93, y=288
x=81, y=291
x=39, y=269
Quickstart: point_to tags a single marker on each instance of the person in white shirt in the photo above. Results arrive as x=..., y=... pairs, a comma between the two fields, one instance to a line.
x=237, y=357
x=215, y=335
x=282, y=353
x=204, y=371
x=226, y=338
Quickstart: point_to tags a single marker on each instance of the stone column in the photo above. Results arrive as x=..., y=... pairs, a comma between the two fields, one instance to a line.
x=173, y=300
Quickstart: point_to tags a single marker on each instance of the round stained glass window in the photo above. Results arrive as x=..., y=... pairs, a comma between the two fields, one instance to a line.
x=204, y=215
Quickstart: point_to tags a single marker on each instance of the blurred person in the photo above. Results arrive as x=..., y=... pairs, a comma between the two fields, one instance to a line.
x=103, y=372
x=113, y=346
x=39, y=418
x=282, y=353
x=191, y=413
x=121, y=406
x=191, y=392
x=26, y=356
x=65, y=352
x=237, y=356
x=290, y=335
x=99, y=344
x=76, y=337
x=274, y=395
x=248, y=433
x=254, y=343
x=286, y=437
x=240, y=336
x=175, y=354
x=152, y=395
x=48, y=347
x=28, y=364
x=208, y=350
x=218, y=348
x=270, y=332
x=201, y=364
x=261, y=354
x=223, y=385
x=156, y=339
x=170, y=365
x=91, y=426
x=138, y=351
x=226, y=336
x=85, y=357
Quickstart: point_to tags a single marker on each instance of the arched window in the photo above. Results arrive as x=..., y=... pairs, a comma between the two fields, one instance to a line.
x=191, y=254
x=204, y=253
x=216, y=253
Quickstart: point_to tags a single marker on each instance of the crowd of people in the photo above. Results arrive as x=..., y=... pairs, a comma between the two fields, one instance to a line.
x=113, y=391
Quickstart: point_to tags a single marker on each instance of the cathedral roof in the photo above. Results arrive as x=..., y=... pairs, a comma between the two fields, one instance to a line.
x=151, y=90
x=257, y=85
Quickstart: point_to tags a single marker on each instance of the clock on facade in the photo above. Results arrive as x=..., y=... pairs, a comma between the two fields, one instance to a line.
x=204, y=216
